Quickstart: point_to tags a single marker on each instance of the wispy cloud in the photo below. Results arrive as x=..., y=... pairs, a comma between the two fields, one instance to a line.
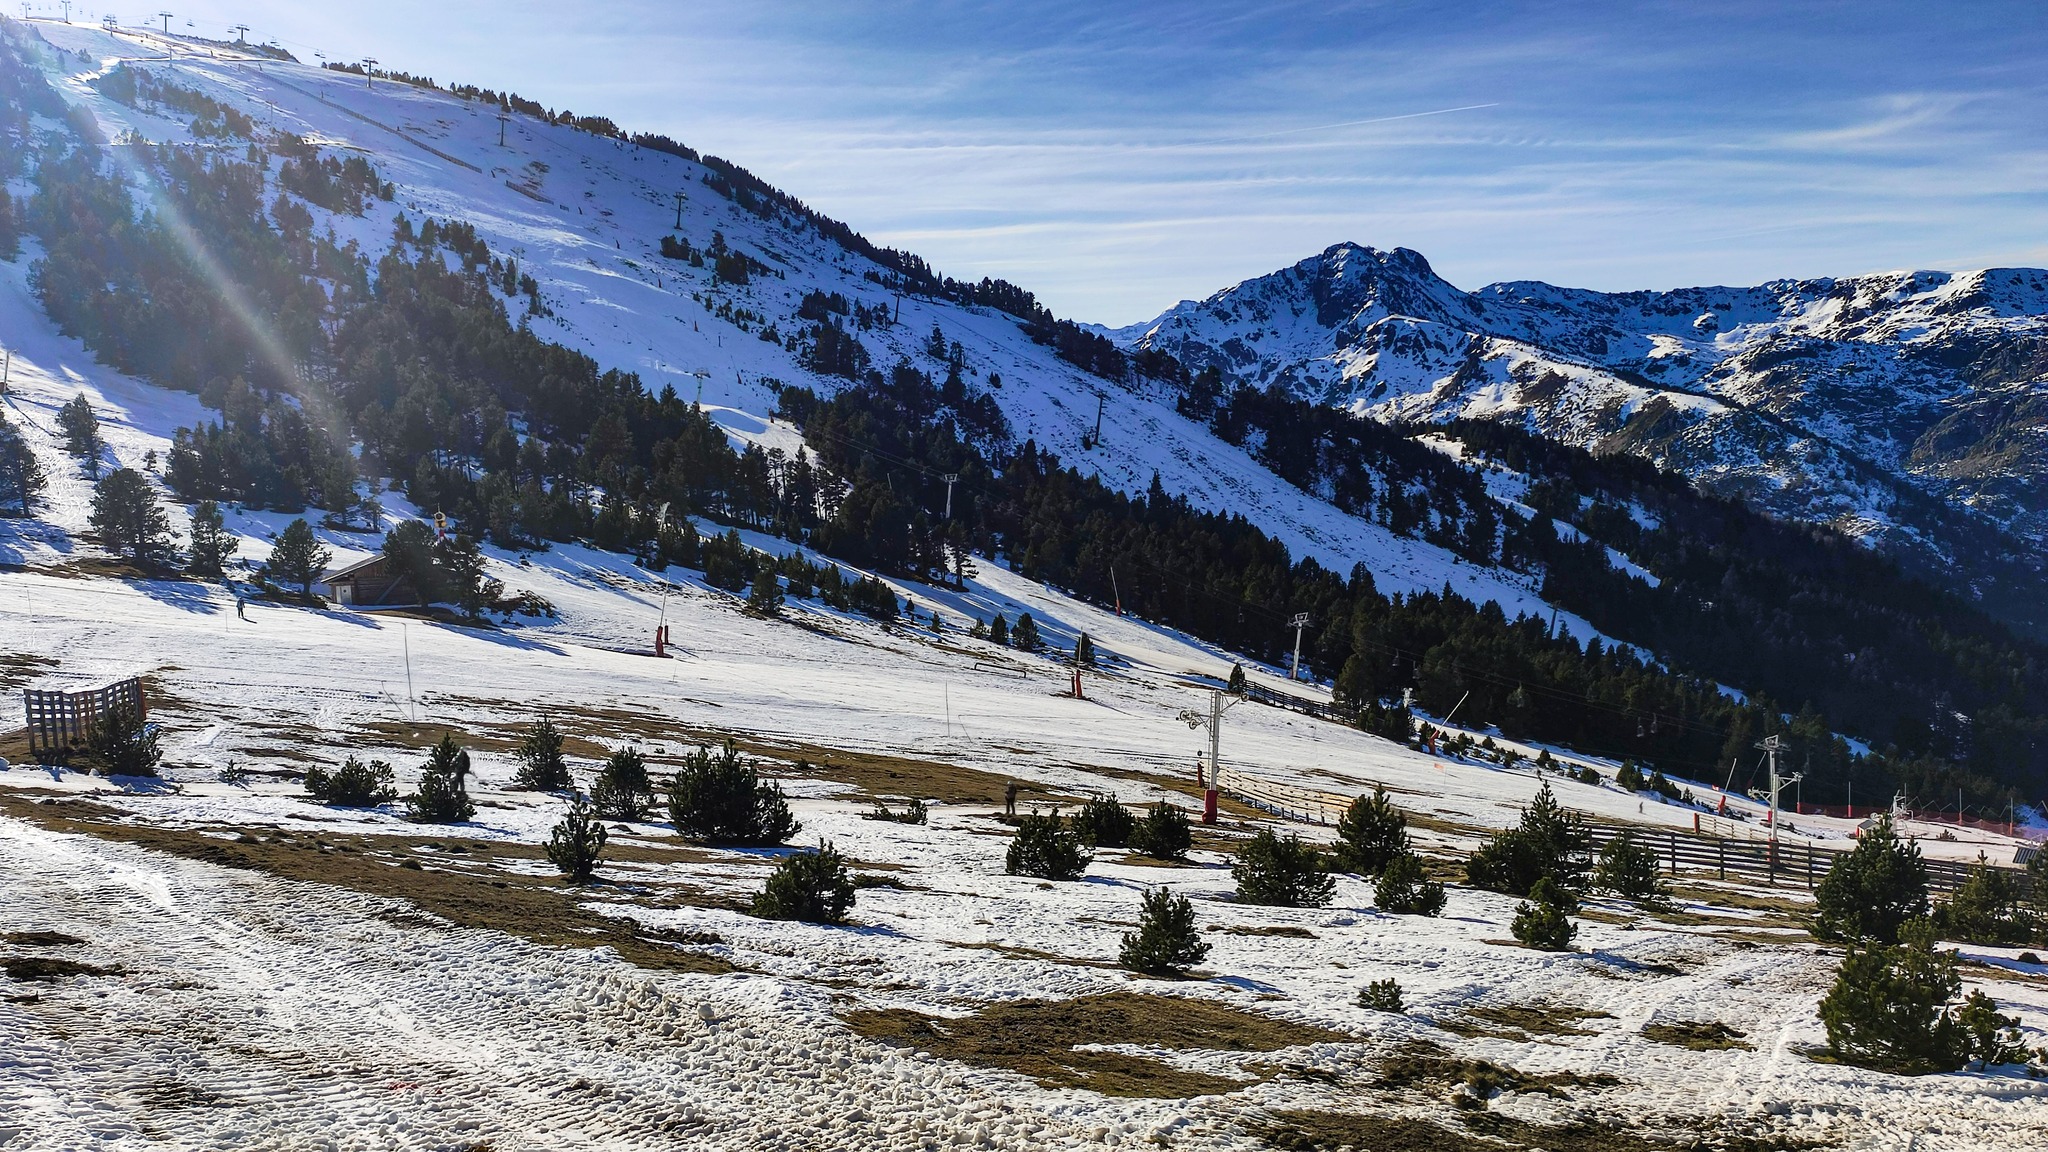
x=1118, y=158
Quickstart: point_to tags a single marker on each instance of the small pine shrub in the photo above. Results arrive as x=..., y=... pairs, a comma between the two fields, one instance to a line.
x=1382, y=996
x=1235, y=685
x=1404, y=889
x=1544, y=923
x=1588, y=775
x=1987, y=909
x=914, y=812
x=542, y=767
x=1285, y=873
x=1549, y=842
x=1371, y=834
x=120, y=743
x=443, y=795
x=578, y=842
x=814, y=887
x=1164, y=833
x=1990, y=1037
x=1631, y=777
x=1629, y=870
x=353, y=785
x=1872, y=890
x=1166, y=942
x=1889, y=1010
x=622, y=790
x=1047, y=848
x=720, y=800
x=1104, y=822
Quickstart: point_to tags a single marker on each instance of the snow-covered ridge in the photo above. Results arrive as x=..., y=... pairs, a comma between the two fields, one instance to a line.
x=1827, y=400
x=584, y=215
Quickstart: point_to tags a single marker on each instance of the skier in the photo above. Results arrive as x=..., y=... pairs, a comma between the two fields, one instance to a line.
x=240, y=606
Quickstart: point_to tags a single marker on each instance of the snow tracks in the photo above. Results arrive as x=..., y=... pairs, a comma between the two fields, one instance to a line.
x=252, y=1012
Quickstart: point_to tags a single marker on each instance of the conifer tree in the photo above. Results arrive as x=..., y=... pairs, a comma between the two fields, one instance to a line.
x=1084, y=651
x=21, y=477
x=721, y=800
x=1382, y=996
x=1104, y=822
x=1889, y=1006
x=212, y=544
x=81, y=427
x=409, y=556
x=1236, y=684
x=1046, y=848
x=999, y=631
x=1164, y=833
x=1873, y=889
x=353, y=785
x=128, y=520
x=443, y=795
x=577, y=844
x=1283, y=872
x=1166, y=942
x=1024, y=637
x=765, y=597
x=622, y=790
x=1544, y=921
x=1629, y=870
x=1549, y=842
x=298, y=557
x=814, y=887
x=542, y=767
x=1371, y=833
x=120, y=743
x=1405, y=889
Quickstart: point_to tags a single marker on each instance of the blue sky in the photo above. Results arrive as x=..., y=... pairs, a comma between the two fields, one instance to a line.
x=1118, y=158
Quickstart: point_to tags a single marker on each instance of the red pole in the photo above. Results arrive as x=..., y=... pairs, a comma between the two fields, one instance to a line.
x=1209, y=806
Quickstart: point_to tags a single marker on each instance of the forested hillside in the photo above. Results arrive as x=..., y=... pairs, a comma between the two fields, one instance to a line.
x=235, y=265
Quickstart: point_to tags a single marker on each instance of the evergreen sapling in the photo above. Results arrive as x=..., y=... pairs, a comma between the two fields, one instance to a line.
x=577, y=845
x=1047, y=848
x=1166, y=942
x=542, y=767
x=443, y=795
x=622, y=790
x=814, y=887
x=1405, y=889
x=1370, y=834
x=1164, y=833
x=1285, y=873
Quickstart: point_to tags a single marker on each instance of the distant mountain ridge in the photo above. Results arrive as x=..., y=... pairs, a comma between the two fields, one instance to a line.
x=1909, y=408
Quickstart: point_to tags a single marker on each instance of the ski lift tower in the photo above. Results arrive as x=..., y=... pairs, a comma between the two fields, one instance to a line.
x=1299, y=623
x=1214, y=723
x=1772, y=745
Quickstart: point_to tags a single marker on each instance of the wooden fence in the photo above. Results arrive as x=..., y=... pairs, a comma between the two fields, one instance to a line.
x=1792, y=861
x=59, y=720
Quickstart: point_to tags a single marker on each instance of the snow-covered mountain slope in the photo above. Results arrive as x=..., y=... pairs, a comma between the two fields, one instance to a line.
x=1899, y=407
x=584, y=215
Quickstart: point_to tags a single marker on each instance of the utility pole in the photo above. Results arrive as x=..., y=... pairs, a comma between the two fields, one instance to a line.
x=67, y=11
x=501, y=129
x=1095, y=437
x=6, y=368
x=166, y=17
x=950, y=478
x=1299, y=623
x=679, y=210
x=370, y=71
x=1214, y=723
x=241, y=32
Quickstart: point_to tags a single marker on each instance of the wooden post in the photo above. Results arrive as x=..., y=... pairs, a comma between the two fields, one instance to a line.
x=1721, y=850
x=1809, y=865
x=1673, y=836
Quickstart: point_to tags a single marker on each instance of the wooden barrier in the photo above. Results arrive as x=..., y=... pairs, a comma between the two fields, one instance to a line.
x=59, y=721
